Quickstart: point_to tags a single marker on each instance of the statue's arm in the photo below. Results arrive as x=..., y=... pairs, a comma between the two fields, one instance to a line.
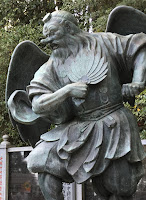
x=50, y=101
x=139, y=76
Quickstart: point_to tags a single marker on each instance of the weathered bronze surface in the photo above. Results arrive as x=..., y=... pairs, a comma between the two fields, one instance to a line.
x=81, y=89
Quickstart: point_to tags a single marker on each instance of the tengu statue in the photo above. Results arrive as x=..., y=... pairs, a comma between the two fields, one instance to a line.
x=81, y=88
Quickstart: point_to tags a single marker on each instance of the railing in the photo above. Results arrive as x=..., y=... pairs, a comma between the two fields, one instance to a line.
x=16, y=182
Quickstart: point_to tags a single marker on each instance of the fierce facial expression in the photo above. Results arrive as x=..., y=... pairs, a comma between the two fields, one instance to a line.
x=61, y=34
x=54, y=33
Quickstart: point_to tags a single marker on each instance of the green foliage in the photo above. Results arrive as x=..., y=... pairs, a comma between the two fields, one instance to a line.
x=139, y=110
x=21, y=20
x=14, y=12
x=138, y=4
x=98, y=11
x=8, y=41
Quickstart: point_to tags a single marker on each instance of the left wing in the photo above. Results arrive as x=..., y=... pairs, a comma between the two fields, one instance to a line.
x=26, y=59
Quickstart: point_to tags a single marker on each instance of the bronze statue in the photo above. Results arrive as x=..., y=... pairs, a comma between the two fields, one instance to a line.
x=81, y=89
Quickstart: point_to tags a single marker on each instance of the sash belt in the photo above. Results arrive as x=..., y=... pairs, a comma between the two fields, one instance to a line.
x=98, y=113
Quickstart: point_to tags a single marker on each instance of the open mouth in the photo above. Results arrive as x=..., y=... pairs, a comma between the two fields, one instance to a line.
x=54, y=46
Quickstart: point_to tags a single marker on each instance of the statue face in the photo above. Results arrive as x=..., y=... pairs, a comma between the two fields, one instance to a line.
x=54, y=32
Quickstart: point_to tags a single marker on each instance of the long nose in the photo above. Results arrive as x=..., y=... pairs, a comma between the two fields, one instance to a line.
x=46, y=40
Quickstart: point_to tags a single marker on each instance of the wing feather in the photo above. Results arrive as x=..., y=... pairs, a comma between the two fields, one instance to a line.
x=25, y=61
x=126, y=20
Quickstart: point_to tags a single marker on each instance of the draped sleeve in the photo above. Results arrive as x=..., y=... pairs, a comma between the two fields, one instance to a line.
x=133, y=45
x=46, y=81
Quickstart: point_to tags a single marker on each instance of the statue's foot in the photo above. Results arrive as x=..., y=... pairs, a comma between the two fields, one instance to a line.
x=51, y=186
x=99, y=188
x=116, y=197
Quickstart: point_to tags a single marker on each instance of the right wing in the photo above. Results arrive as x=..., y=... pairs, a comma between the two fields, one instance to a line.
x=126, y=20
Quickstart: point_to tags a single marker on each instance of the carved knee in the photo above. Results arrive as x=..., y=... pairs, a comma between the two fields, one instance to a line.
x=36, y=160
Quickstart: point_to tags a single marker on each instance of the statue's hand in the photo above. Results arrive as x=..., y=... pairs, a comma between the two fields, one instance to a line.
x=132, y=89
x=78, y=90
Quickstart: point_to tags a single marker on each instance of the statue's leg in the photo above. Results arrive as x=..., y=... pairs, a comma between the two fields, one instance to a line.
x=115, y=197
x=44, y=160
x=37, y=159
x=99, y=188
x=121, y=179
x=51, y=186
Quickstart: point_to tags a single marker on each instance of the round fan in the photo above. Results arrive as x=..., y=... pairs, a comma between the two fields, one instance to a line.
x=88, y=66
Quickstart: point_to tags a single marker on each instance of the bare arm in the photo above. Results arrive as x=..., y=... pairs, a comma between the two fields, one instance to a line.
x=139, y=76
x=50, y=101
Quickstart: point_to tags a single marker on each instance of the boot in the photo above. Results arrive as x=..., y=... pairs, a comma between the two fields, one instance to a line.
x=51, y=186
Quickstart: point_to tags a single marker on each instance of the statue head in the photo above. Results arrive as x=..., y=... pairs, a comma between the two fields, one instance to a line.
x=64, y=36
x=57, y=25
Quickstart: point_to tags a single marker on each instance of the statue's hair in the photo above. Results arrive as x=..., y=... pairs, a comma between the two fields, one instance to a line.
x=74, y=44
x=65, y=15
x=60, y=15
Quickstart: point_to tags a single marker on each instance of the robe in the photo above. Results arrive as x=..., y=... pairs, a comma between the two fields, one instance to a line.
x=91, y=134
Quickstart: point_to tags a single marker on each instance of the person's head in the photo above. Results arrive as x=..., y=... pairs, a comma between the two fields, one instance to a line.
x=57, y=26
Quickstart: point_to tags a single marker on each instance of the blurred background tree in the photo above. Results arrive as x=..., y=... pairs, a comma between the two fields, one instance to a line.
x=22, y=20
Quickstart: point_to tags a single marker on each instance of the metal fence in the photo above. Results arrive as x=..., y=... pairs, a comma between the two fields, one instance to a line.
x=17, y=183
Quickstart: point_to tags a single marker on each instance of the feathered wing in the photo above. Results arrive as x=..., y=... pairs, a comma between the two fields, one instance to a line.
x=25, y=61
x=126, y=20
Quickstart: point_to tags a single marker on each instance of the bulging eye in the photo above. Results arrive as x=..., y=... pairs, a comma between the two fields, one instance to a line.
x=67, y=26
x=45, y=29
x=51, y=33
